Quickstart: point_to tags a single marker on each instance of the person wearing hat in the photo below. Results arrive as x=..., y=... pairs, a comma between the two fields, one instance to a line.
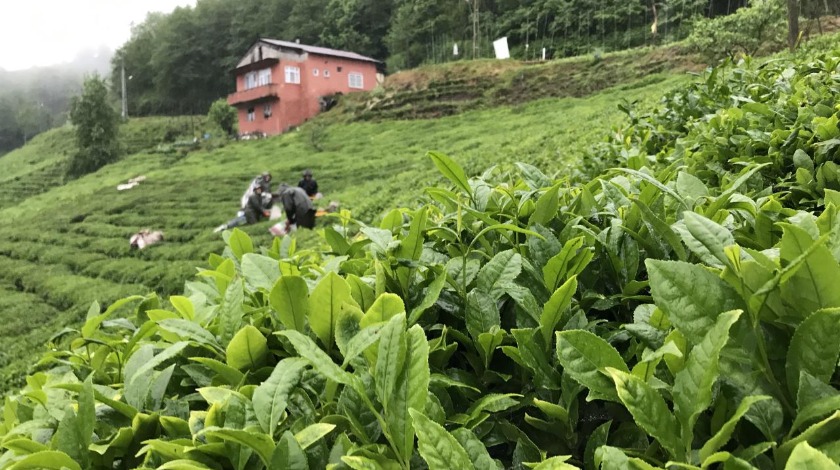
x=298, y=207
x=263, y=180
x=255, y=210
x=309, y=185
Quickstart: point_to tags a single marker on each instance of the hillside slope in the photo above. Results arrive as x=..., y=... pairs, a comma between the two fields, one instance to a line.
x=677, y=306
x=63, y=248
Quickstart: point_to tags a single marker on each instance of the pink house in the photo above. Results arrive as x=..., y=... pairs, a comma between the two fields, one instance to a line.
x=279, y=84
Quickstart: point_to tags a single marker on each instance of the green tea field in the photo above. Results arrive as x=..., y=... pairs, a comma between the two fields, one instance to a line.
x=643, y=278
x=64, y=246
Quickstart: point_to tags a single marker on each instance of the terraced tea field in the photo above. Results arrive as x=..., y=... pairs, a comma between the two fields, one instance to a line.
x=64, y=245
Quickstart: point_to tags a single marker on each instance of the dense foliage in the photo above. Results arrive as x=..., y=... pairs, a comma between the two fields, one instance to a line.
x=64, y=243
x=679, y=310
x=181, y=62
x=223, y=116
x=96, y=126
x=744, y=32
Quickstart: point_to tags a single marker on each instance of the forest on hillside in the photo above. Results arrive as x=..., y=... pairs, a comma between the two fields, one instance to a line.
x=181, y=62
x=37, y=99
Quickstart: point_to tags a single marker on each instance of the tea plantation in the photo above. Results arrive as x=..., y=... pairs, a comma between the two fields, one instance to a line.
x=64, y=246
x=665, y=296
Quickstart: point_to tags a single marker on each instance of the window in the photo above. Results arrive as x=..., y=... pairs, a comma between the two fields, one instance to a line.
x=315, y=72
x=292, y=74
x=267, y=111
x=264, y=77
x=251, y=115
x=326, y=73
x=338, y=69
x=354, y=79
x=250, y=80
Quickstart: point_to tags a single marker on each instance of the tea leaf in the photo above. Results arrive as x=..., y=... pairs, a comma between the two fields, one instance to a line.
x=383, y=309
x=452, y=171
x=693, y=384
x=261, y=443
x=46, y=459
x=707, y=239
x=288, y=454
x=586, y=357
x=240, y=243
x=556, y=307
x=259, y=272
x=547, y=206
x=805, y=457
x=475, y=449
x=811, y=287
x=308, y=350
x=723, y=435
x=290, y=299
x=248, y=349
x=648, y=409
x=482, y=313
x=499, y=272
x=814, y=348
x=691, y=296
x=324, y=305
x=390, y=358
x=439, y=449
x=312, y=434
x=230, y=312
x=411, y=390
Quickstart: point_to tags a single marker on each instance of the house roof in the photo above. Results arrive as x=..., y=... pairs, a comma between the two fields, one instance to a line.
x=319, y=50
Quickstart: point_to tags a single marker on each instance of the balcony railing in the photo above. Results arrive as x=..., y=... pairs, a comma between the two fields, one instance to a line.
x=253, y=94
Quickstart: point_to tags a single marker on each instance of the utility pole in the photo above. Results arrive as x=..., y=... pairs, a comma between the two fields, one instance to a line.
x=475, y=29
x=124, y=98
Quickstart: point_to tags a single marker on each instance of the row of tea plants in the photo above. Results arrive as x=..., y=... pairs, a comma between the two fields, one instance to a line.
x=680, y=310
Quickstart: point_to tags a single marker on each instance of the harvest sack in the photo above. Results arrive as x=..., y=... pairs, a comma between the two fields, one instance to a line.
x=145, y=238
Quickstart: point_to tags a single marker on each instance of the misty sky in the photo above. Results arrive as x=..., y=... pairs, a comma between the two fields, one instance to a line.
x=46, y=32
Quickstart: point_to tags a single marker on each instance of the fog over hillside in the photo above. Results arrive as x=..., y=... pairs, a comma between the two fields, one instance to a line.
x=36, y=99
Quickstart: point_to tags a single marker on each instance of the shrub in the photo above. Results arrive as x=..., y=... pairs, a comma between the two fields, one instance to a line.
x=224, y=116
x=745, y=32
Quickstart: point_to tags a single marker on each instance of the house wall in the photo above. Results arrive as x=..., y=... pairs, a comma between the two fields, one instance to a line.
x=300, y=102
x=270, y=126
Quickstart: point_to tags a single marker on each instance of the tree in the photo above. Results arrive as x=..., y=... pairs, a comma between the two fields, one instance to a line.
x=97, y=126
x=793, y=23
x=223, y=115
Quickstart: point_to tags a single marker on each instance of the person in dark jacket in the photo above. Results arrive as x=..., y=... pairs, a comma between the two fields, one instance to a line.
x=254, y=211
x=309, y=185
x=297, y=205
x=263, y=180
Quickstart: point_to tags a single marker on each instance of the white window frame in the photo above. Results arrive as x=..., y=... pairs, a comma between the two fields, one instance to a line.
x=267, y=111
x=352, y=77
x=292, y=74
x=252, y=115
x=250, y=80
x=264, y=77
x=326, y=73
x=315, y=72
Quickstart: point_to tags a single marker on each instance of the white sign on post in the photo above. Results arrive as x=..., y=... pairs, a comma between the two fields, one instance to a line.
x=501, y=48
